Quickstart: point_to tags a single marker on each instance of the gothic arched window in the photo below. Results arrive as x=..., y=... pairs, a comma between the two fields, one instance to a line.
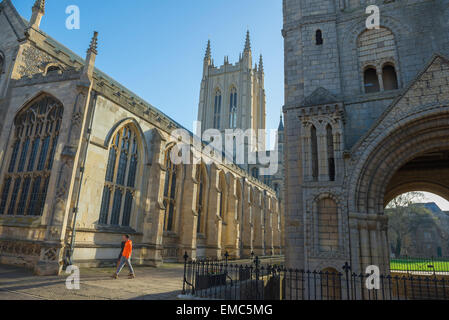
x=217, y=109
x=120, y=186
x=200, y=199
x=314, y=153
x=169, y=192
x=389, y=77
x=233, y=109
x=371, y=80
x=36, y=132
x=330, y=152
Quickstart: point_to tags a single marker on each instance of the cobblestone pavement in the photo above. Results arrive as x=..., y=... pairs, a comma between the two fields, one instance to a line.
x=163, y=283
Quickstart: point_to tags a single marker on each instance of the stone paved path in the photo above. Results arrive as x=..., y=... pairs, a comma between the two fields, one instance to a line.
x=163, y=283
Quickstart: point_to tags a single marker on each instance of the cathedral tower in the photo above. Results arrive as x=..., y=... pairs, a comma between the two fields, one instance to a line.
x=232, y=95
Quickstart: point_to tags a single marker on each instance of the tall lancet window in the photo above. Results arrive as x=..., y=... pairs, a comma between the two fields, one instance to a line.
x=1, y=65
x=330, y=152
x=217, y=109
x=169, y=192
x=120, y=187
x=233, y=109
x=34, y=141
x=314, y=152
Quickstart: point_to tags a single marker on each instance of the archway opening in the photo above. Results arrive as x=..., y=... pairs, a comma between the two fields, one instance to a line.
x=417, y=206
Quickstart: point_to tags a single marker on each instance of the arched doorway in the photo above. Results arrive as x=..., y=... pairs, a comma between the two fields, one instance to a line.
x=410, y=155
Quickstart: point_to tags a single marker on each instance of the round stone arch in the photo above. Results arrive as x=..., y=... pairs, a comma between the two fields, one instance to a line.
x=351, y=35
x=439, y=189
x=353, y=31
x=392, y=148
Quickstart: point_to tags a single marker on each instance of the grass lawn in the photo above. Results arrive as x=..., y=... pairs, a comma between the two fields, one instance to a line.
x=419, y=265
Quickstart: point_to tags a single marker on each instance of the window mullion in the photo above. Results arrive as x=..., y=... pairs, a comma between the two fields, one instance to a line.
x=111, y=204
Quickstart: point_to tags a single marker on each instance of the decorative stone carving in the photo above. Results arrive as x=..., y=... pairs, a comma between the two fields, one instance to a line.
x=34, y=61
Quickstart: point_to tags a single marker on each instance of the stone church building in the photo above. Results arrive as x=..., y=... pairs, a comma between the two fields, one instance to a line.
x=83, y=160
x=366, y=119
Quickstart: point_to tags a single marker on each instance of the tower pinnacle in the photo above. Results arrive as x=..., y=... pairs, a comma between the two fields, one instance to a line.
x=39, y=5
x=247, y=43
x=261, y=64
x=89, y=66
x=208, y=51
x=93, y=43
x=38, y=12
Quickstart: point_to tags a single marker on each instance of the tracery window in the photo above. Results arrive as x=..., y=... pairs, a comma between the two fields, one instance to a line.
x=169, y=192
x=36, y=132
x=217, y=110
x=120, y=183
x=233, y=109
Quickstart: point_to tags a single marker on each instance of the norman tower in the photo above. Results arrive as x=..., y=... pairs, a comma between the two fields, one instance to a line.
x=346, y=88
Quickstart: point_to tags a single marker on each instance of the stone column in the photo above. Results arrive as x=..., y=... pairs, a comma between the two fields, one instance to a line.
x=230, y=236
x=153, y=221
x=247, y=227
x=374, y=244
x=364, y=245
x=275, y=232
x=259, y=247
x=189, y=214
x=269, y=243
x=381, y=80
x=384, y=259
x=214, y=221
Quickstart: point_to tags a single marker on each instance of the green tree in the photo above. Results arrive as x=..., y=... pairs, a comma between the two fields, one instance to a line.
x=405, y=217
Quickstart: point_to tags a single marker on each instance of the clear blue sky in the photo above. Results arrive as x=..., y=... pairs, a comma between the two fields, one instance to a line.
x=156, y=47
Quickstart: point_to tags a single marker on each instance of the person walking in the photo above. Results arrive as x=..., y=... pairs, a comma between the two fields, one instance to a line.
x=126, y=258
x=122, y=246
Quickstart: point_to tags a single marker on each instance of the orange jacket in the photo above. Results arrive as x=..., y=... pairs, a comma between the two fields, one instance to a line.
x=128, y=249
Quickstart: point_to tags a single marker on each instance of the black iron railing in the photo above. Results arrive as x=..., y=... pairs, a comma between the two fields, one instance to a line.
x=219, y=279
